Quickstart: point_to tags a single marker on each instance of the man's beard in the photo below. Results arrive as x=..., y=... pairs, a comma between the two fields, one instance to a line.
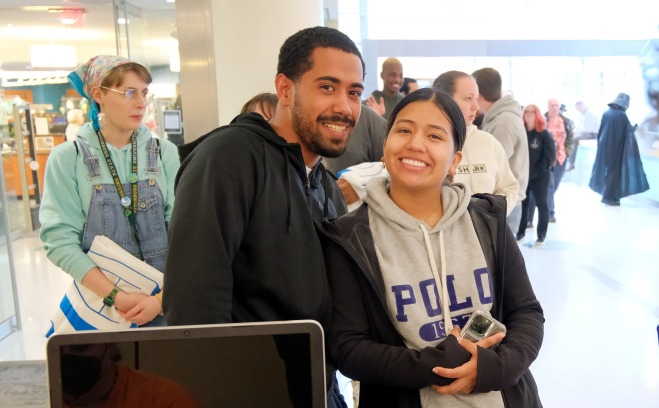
x=310, y=135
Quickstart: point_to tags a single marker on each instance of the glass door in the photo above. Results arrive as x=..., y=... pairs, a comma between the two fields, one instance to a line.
x=9, y=204
x=14, y=147
x=8, y=300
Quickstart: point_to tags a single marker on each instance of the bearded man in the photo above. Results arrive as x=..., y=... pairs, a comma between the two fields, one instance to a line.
x=243, y=247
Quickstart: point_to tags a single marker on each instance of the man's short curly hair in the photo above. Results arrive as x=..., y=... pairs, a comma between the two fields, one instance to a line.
x=295, y=54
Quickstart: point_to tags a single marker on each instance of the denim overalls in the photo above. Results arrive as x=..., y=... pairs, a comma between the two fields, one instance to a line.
x=106, y=215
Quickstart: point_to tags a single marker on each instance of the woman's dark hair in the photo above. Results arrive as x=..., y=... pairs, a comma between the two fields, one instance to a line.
x=445, y=103
x=295, y=54
x=405, y=88
x=446, y=81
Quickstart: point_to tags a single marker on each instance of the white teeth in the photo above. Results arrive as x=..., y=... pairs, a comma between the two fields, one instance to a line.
x=414, y=163
x=336, y=128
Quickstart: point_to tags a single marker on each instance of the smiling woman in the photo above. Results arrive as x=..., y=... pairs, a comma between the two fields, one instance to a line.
x=409, y=267
x=422, y=149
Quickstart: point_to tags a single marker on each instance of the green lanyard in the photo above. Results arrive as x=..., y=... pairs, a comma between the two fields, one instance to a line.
x=130, y=206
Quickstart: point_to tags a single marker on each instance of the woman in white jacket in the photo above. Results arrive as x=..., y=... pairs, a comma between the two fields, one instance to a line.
x=484, y=166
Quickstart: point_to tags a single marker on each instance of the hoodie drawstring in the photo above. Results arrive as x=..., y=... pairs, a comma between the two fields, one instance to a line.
x=448, y=324
x=288, y=191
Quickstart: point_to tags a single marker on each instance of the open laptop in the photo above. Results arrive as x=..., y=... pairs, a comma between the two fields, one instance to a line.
x=270, y=364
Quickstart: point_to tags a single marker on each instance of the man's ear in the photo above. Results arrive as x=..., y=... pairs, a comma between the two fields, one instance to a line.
x=285, y=90
x=382, y=75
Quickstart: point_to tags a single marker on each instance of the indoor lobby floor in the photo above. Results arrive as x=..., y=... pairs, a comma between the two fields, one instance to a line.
x=597, y=278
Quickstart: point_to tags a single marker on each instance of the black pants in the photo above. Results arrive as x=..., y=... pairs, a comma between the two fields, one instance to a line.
x=537, y=188
x=555, y=177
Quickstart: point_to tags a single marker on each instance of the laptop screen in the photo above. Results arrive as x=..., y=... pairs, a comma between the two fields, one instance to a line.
x=277, y=364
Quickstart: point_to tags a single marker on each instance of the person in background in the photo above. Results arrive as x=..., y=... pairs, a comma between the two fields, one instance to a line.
x=75, y=119
x=264, y=104
x=365, y=145
x=562, y=130
x=618, y=169
x=478, y=120
x=384, y=101
x=243, y=244
x=113, y=180
x=503, y=120
x=484, y=166
x=542, y=154
x=409, y=267
x=586, y=129
x=409, y=85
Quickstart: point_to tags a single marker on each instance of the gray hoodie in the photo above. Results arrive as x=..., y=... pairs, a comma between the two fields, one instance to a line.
x=426, y=271
x=504, y=122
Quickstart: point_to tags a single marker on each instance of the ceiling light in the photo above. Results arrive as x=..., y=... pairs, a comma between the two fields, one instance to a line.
x=53, y=56
x=69, y=16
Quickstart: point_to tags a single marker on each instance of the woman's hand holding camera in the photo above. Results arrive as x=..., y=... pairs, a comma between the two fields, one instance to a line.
x=465, y=375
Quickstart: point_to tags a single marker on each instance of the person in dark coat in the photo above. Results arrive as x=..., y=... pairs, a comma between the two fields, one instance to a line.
x=243, y=247
x=618, y=170
x=542, y=155
x=395, y=323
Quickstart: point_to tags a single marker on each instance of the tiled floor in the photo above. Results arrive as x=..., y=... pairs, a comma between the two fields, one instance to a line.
x=597, y=278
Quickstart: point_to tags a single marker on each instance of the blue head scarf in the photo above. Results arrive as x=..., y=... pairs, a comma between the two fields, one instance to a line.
x=91, y=74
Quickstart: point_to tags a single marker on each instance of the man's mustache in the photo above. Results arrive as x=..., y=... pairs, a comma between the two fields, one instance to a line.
x=337, y=119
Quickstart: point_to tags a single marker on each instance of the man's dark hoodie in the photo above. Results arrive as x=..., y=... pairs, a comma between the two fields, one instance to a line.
x=242, y=243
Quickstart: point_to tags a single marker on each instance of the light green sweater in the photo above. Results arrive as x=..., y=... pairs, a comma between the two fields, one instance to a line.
x=68, y=191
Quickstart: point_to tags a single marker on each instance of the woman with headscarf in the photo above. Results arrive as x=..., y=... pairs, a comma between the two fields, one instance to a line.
x=114, y=180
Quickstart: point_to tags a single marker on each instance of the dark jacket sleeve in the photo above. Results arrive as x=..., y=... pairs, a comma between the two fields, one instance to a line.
x=363, y=343
x=214, y=193
x=377, y=135
x=524, y=320
x=548, y=151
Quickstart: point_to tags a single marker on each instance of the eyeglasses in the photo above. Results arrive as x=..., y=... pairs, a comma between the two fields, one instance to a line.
x=131, y=93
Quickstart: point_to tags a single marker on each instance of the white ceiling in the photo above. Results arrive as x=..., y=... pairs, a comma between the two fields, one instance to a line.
x=151, y=34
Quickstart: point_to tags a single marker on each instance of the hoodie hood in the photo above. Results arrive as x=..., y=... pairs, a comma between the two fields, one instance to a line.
x=258, y=125
x=89, y=135
x=317, y=184
x=455, y=199
x=252, y=121
x=505, y=105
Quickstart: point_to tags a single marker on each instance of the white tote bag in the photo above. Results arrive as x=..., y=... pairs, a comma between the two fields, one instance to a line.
x=82, y=309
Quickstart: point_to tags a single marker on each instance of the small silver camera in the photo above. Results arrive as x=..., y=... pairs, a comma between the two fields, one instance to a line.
x=480, y=326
